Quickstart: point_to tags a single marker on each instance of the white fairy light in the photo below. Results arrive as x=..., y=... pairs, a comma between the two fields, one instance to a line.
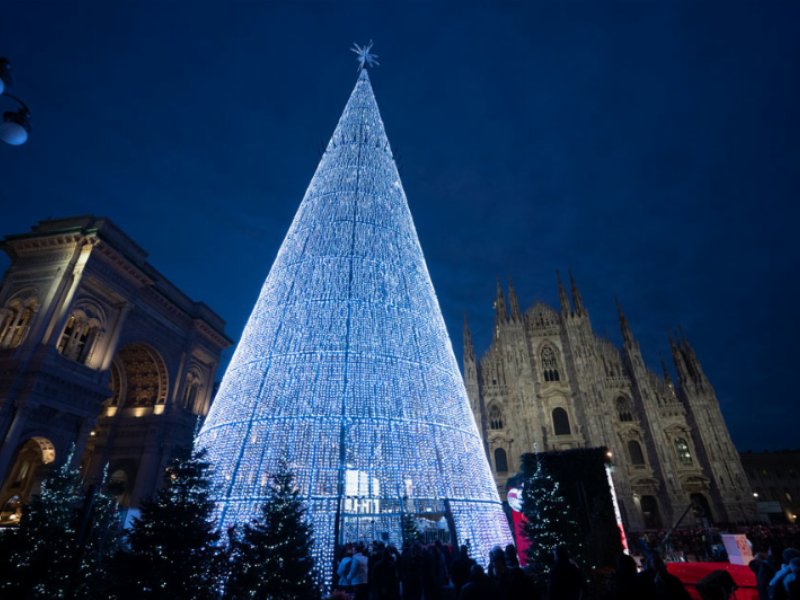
x=345, y=368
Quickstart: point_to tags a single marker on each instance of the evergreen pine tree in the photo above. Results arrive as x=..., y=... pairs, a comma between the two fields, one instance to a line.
x=271, y=555
x=42, y=553
x=174, y=551
x=410, y=531
x=101, y=537
x=550, y=523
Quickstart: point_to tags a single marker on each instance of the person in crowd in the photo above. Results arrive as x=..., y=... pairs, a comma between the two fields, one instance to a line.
x=442, y=576
x=384, y=577
x=493, y=553
x=566, y=582
x=512, y=560
x=344, y=568
x=411, y=571
x=460, y=569
x=791, y=582
x=659, y=584
x=479, y=586
x=777, y=586
x=766, y=571
x=626, y=585
x=358, y=575
x=500, y=575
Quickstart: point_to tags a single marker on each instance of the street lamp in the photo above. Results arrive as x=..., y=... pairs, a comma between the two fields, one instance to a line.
x=16, y=124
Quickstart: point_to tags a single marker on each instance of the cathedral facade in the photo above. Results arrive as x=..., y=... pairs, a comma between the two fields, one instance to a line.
x=549, y=382
x=103, y=361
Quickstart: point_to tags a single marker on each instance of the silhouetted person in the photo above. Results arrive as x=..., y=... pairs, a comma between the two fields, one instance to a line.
x=766, y=571
x=384, y=578
x=459, y=572
x=663, y=585
x=512, y=560
x=566, y=580
x=411, y=572
x=479, y=586
x=626, y=585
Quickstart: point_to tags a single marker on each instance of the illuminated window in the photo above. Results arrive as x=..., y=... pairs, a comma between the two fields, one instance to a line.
x=682, y=449
x=495, y=418
x=500, y=461
x=79, y=336
x=635, y=452
x=15, y=321
x=561, y=422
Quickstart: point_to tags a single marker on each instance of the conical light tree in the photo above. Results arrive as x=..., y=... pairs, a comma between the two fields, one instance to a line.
x=345, y=367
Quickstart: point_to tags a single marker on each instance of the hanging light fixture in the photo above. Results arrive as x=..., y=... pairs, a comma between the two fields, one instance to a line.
x=16, y=124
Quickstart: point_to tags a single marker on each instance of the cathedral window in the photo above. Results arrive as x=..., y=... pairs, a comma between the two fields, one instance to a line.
x=495, y=418
x=635, y=452
x=500, y=461
x=561, y=422
x=682, y=449
x=624, y=409
x=550, y=364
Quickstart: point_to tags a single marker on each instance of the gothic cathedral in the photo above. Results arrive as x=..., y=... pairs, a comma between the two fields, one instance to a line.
x=549, y=382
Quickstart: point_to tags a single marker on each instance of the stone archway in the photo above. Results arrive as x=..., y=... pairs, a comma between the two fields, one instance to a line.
x=145, y=377
x=24, y=477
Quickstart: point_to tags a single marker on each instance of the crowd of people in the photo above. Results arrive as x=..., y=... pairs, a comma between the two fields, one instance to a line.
x=777, y=573
x=429, y=572
x=436, y=572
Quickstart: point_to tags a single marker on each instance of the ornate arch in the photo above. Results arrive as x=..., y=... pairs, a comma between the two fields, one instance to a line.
x=145, y=376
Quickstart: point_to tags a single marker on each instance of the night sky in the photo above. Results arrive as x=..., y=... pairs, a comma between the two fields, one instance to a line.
x=650, y=147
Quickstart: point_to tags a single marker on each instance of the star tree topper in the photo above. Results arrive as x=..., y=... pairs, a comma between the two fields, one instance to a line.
x=366, y=58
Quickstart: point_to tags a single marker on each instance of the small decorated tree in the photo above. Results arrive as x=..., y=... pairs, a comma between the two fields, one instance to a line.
x=41, y=554
x=550, y=523
x=410, y=531
x=100, y=538
x=271, y=555
x=174, y=550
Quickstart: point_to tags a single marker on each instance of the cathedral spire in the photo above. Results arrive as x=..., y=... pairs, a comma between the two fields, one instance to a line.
x=516, y=315
x=665, y=370
x=500, y=312
x=563, y=299
x=576, y=296
x=627, y=334
x=469, y=350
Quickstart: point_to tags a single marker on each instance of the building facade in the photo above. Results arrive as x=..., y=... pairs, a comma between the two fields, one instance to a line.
x=102, y=361
x=775, y=477
x=549, y=382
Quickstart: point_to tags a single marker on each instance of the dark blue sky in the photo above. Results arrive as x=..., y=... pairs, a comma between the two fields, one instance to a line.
x=651, y=147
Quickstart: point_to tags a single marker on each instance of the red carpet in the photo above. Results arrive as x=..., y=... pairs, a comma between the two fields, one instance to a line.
x=692, y=572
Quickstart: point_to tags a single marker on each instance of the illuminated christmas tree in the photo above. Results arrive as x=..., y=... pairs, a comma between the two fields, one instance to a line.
x=346, y=369
x=550, y=522
x=271, y=555
x=174, y=550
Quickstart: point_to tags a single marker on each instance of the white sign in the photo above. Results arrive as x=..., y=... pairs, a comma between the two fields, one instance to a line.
x=738, y=548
